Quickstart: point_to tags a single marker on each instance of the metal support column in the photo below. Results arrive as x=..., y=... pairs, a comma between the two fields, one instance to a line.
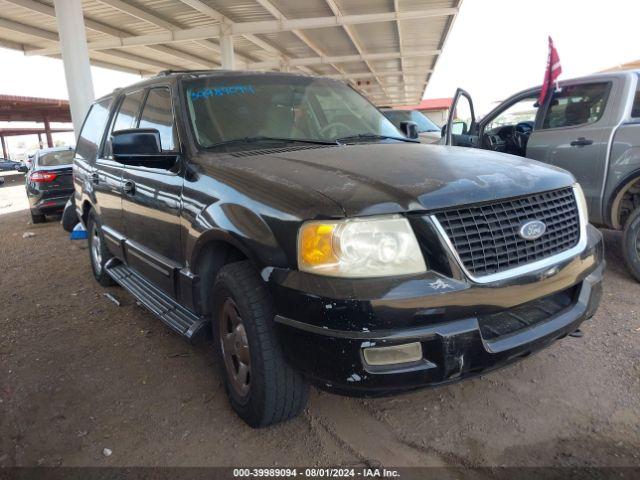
x=47, y=131
x=39, y=140
x=75, y=57
x=226, y=52
x=4, y=148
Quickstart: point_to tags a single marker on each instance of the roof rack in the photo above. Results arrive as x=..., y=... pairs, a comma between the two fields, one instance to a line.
x=165, y=73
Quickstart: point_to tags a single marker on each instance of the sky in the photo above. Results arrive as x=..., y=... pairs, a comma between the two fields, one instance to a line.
x=499, y=47
x=495, y=49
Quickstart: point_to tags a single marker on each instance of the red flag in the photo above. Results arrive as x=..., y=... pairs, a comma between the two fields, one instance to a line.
x=554, y=69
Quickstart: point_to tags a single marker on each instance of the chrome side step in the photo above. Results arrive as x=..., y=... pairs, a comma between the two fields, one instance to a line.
x=174, y=315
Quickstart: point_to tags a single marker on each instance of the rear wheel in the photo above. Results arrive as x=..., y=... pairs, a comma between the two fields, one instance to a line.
x=631, y=243
x=262, y=387
x=98, y=253
x=37, y=218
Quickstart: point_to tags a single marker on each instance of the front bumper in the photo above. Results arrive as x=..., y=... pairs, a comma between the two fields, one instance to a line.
x=325, y=323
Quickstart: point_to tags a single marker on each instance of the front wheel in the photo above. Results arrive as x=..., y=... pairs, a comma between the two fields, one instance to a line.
x=98, y=253
x=262, y=387
x=631, y=243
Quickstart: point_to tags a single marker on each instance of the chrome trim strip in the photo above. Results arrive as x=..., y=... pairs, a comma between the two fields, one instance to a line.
x=149, y=262
x=522, y=269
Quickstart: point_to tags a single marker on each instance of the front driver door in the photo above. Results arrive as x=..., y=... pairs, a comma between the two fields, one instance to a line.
x=151, y=200
x=461, y=129
x=107, y=177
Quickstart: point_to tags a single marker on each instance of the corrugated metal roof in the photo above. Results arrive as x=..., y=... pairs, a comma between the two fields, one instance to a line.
x=388, y=48
x=18, y=108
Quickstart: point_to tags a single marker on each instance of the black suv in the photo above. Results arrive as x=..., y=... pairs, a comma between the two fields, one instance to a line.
x=286, y=216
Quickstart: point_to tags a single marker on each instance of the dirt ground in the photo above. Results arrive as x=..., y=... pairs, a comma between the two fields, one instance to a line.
x=79, y=374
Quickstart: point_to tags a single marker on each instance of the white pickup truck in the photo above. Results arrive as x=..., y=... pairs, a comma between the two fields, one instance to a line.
x=590, y=126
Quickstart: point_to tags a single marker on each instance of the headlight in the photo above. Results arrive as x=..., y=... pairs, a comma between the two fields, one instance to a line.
x=360, y=247
x=581, y=201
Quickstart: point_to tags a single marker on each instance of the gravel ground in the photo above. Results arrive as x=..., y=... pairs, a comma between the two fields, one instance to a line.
x=79, y=374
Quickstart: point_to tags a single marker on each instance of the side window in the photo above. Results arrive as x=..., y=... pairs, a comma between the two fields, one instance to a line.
x=577, y=105
x=157, y=113
x=635, y=109
x=128, y=111
x=125, y=117
x=93, y=130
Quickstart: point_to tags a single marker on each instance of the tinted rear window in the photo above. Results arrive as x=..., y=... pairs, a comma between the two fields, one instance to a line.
x=54, y=159
x=577, y=105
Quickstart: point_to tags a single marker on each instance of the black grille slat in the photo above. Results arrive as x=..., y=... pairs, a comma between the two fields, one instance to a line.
x=486, y=236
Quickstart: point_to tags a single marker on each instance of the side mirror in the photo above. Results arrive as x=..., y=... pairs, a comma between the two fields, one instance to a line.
x=409, y=129
x=23, y=169
x=136, y=143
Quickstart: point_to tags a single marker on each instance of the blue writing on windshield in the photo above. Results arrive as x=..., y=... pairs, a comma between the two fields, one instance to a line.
x=222, y=91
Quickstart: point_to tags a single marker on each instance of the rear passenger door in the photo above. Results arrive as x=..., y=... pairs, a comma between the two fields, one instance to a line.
x=107, y=177
x=573, y=133
x=152, y=199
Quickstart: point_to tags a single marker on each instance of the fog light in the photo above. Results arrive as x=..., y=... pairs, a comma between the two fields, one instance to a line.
x=409, y=352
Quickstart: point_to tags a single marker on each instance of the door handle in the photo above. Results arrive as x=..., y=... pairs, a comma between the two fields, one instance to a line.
x=129, y=188
x=581, y=142
x=95, y=178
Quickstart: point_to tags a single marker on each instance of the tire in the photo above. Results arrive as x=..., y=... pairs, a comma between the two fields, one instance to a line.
x=98, y=253
x=69, y=217
x=37, y=218
x=631, y=244
x=272, y=391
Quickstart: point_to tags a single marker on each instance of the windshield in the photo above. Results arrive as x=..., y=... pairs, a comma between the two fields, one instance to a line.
x=424, y=124
x=225, y=108
x=54, y=159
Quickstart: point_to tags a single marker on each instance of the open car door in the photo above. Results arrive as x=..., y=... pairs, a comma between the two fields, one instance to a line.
x=461, y=129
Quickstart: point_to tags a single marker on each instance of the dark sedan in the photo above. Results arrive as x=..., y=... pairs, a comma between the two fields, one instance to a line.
x=49, y=183
x=7, y=165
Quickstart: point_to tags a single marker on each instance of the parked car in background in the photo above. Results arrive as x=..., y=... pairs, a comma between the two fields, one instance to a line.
x=7, y=165
x=428, y=132
x=49, y=182
x=590, y=127
x=322, y=246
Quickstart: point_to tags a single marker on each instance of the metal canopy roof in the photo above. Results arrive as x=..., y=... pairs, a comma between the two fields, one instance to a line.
x=387, y=48
x=31, y=109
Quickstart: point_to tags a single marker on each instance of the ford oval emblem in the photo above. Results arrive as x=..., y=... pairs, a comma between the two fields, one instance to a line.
x=532, y=230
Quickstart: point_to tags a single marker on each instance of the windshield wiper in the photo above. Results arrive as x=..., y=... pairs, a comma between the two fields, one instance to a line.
x=262, y=138
x=373, y=136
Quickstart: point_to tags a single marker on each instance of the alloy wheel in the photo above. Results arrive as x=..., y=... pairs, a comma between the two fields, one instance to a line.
x=235, y=347
x=96, y=249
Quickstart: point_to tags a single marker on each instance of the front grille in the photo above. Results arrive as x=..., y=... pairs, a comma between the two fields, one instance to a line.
x=511, y=321
x=486, y=236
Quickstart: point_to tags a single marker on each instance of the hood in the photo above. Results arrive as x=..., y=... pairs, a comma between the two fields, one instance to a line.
x=372, y=179
x=429, y=137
